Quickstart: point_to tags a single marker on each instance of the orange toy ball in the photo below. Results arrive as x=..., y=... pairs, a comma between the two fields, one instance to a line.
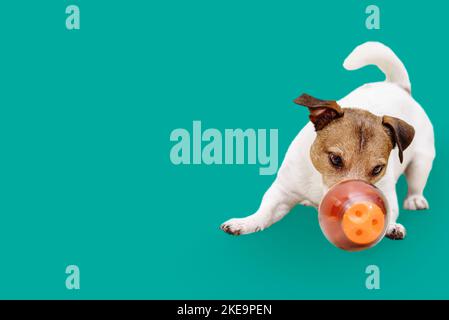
x=353, y=215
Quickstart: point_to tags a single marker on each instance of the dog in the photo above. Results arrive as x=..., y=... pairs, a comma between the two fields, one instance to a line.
x=376, y=133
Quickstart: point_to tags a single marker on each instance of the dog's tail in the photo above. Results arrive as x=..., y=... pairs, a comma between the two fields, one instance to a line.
x=384, y=58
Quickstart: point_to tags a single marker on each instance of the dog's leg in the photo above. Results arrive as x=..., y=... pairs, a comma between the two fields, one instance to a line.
x=417, y=173
x=395, y=231
x=276, y=203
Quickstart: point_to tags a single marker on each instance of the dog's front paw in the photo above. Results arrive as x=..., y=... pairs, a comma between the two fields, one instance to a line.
x=416, y=202
x=396, y=232
x=240, y=226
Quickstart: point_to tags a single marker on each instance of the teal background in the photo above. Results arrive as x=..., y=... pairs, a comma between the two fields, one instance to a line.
x=85, y=172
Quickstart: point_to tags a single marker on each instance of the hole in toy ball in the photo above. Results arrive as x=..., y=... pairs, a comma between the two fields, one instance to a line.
x=374, y=222
x=358, y=213
x=359, y=232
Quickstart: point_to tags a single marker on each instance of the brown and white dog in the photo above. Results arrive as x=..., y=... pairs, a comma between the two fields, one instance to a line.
x=353, y=138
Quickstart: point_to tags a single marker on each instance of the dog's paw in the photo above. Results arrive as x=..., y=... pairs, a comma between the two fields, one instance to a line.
x=396, y=232
x=240, y=226
x=416, y=202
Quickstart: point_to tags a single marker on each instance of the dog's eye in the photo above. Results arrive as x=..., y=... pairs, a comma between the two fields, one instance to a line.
x=335, y=160
x=377, y=170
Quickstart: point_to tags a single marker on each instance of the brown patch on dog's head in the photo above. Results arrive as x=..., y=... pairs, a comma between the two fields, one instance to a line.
x=353, y=143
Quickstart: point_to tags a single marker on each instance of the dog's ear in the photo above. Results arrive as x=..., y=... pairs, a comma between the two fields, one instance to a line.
x=322, y=112
x=401, y=133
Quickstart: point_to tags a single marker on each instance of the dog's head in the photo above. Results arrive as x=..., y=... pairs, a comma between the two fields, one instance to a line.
x=353, y=143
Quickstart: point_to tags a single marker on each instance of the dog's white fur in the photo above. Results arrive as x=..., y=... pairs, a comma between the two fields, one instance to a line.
x=298, y=182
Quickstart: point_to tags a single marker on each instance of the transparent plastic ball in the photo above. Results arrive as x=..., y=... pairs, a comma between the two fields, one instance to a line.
x=353, y=215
